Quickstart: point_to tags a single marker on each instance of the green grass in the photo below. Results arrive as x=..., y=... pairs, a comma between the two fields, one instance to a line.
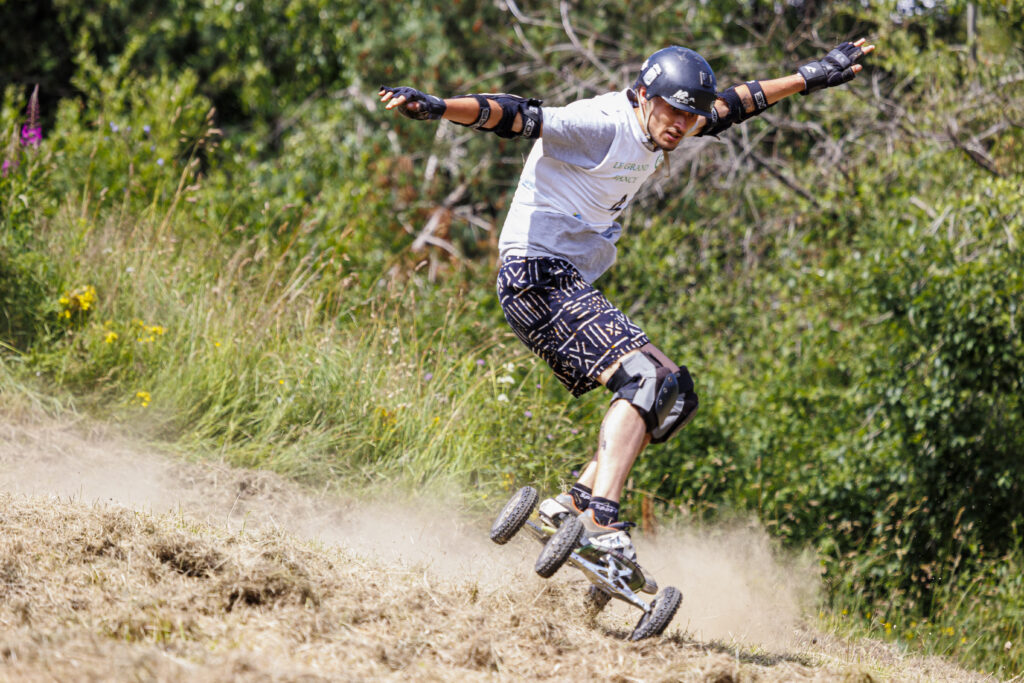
x=263, y=360
x=977, y=620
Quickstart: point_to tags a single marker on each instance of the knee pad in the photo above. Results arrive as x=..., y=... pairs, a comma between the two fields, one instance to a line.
x=683, y=410
x=648, y=385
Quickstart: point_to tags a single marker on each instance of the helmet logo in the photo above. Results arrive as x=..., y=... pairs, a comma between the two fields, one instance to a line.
x=684, y=97
x=651, y=74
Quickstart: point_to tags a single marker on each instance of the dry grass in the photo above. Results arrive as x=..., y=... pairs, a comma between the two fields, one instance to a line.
x=91, y=593
x=100, y=592
x=104, y=591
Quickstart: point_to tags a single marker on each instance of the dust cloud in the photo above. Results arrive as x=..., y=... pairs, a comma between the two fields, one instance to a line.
x=736, y=587
x=96, y=465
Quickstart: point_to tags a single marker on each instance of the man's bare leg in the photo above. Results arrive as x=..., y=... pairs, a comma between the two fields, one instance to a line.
x=623, y=437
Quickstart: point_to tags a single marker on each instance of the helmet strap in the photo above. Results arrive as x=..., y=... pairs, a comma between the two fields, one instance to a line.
x=645, y=115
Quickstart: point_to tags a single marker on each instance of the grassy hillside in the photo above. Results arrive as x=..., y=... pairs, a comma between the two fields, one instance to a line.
x=211, y=573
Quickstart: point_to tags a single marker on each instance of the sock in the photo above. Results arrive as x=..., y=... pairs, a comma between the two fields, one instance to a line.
x=580, y=496
x=606, y=512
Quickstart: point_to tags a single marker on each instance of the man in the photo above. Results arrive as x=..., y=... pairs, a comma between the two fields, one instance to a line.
x=587, y=163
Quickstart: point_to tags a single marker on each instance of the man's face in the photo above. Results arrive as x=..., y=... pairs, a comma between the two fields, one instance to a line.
x=668, y=125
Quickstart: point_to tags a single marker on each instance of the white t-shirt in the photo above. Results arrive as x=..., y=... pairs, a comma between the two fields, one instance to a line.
x=580, y=175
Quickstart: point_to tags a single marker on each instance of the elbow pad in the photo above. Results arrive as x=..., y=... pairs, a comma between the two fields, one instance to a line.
x=737, y=112
x=528, y=109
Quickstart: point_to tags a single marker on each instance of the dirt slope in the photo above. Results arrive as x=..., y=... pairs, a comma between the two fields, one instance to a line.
x=120, y=563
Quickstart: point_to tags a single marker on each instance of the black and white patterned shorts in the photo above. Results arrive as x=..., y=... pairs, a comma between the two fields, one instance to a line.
x=565, y=320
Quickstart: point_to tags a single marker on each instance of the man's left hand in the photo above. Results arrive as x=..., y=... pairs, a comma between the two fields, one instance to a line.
x=412, y=103
x=837, y=67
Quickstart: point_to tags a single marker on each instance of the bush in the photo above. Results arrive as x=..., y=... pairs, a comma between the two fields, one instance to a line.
x=26, y=272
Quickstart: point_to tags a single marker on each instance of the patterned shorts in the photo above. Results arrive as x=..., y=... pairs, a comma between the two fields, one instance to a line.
x=565, y=320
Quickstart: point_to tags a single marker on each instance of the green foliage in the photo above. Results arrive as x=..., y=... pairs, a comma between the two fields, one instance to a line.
x=944, y=375
x=24, y=280
x=25, y=271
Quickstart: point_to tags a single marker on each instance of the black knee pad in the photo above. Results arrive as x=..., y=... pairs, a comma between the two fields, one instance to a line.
x=649, y=386
x=683, y=410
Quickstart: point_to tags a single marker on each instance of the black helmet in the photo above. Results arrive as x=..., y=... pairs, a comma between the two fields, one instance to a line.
x=681, y=77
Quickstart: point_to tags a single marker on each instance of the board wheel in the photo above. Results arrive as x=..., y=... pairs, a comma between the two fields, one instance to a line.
x=514, y=515
x=657, y=619
x=596, y=599
x=558, y=548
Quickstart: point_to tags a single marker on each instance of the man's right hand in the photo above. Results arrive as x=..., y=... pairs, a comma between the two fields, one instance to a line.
x=412, y=103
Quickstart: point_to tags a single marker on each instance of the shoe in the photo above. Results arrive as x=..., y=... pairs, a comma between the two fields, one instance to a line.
x=555, y=510
x=614, y=539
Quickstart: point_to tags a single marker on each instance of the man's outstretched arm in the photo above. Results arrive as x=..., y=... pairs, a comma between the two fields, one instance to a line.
x=508, y=116
x=746, y=100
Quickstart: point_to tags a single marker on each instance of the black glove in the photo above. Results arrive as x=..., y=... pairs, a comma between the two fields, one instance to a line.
x=418, y=105
x=834, y=69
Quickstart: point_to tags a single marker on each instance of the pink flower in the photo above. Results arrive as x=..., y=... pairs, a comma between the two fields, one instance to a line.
x=32, y=131
x=31, y=137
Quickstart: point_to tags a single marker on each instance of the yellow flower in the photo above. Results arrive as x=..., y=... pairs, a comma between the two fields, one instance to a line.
x=87, y=297
x=143, y=398
x=79, y=299
x=111, y=337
